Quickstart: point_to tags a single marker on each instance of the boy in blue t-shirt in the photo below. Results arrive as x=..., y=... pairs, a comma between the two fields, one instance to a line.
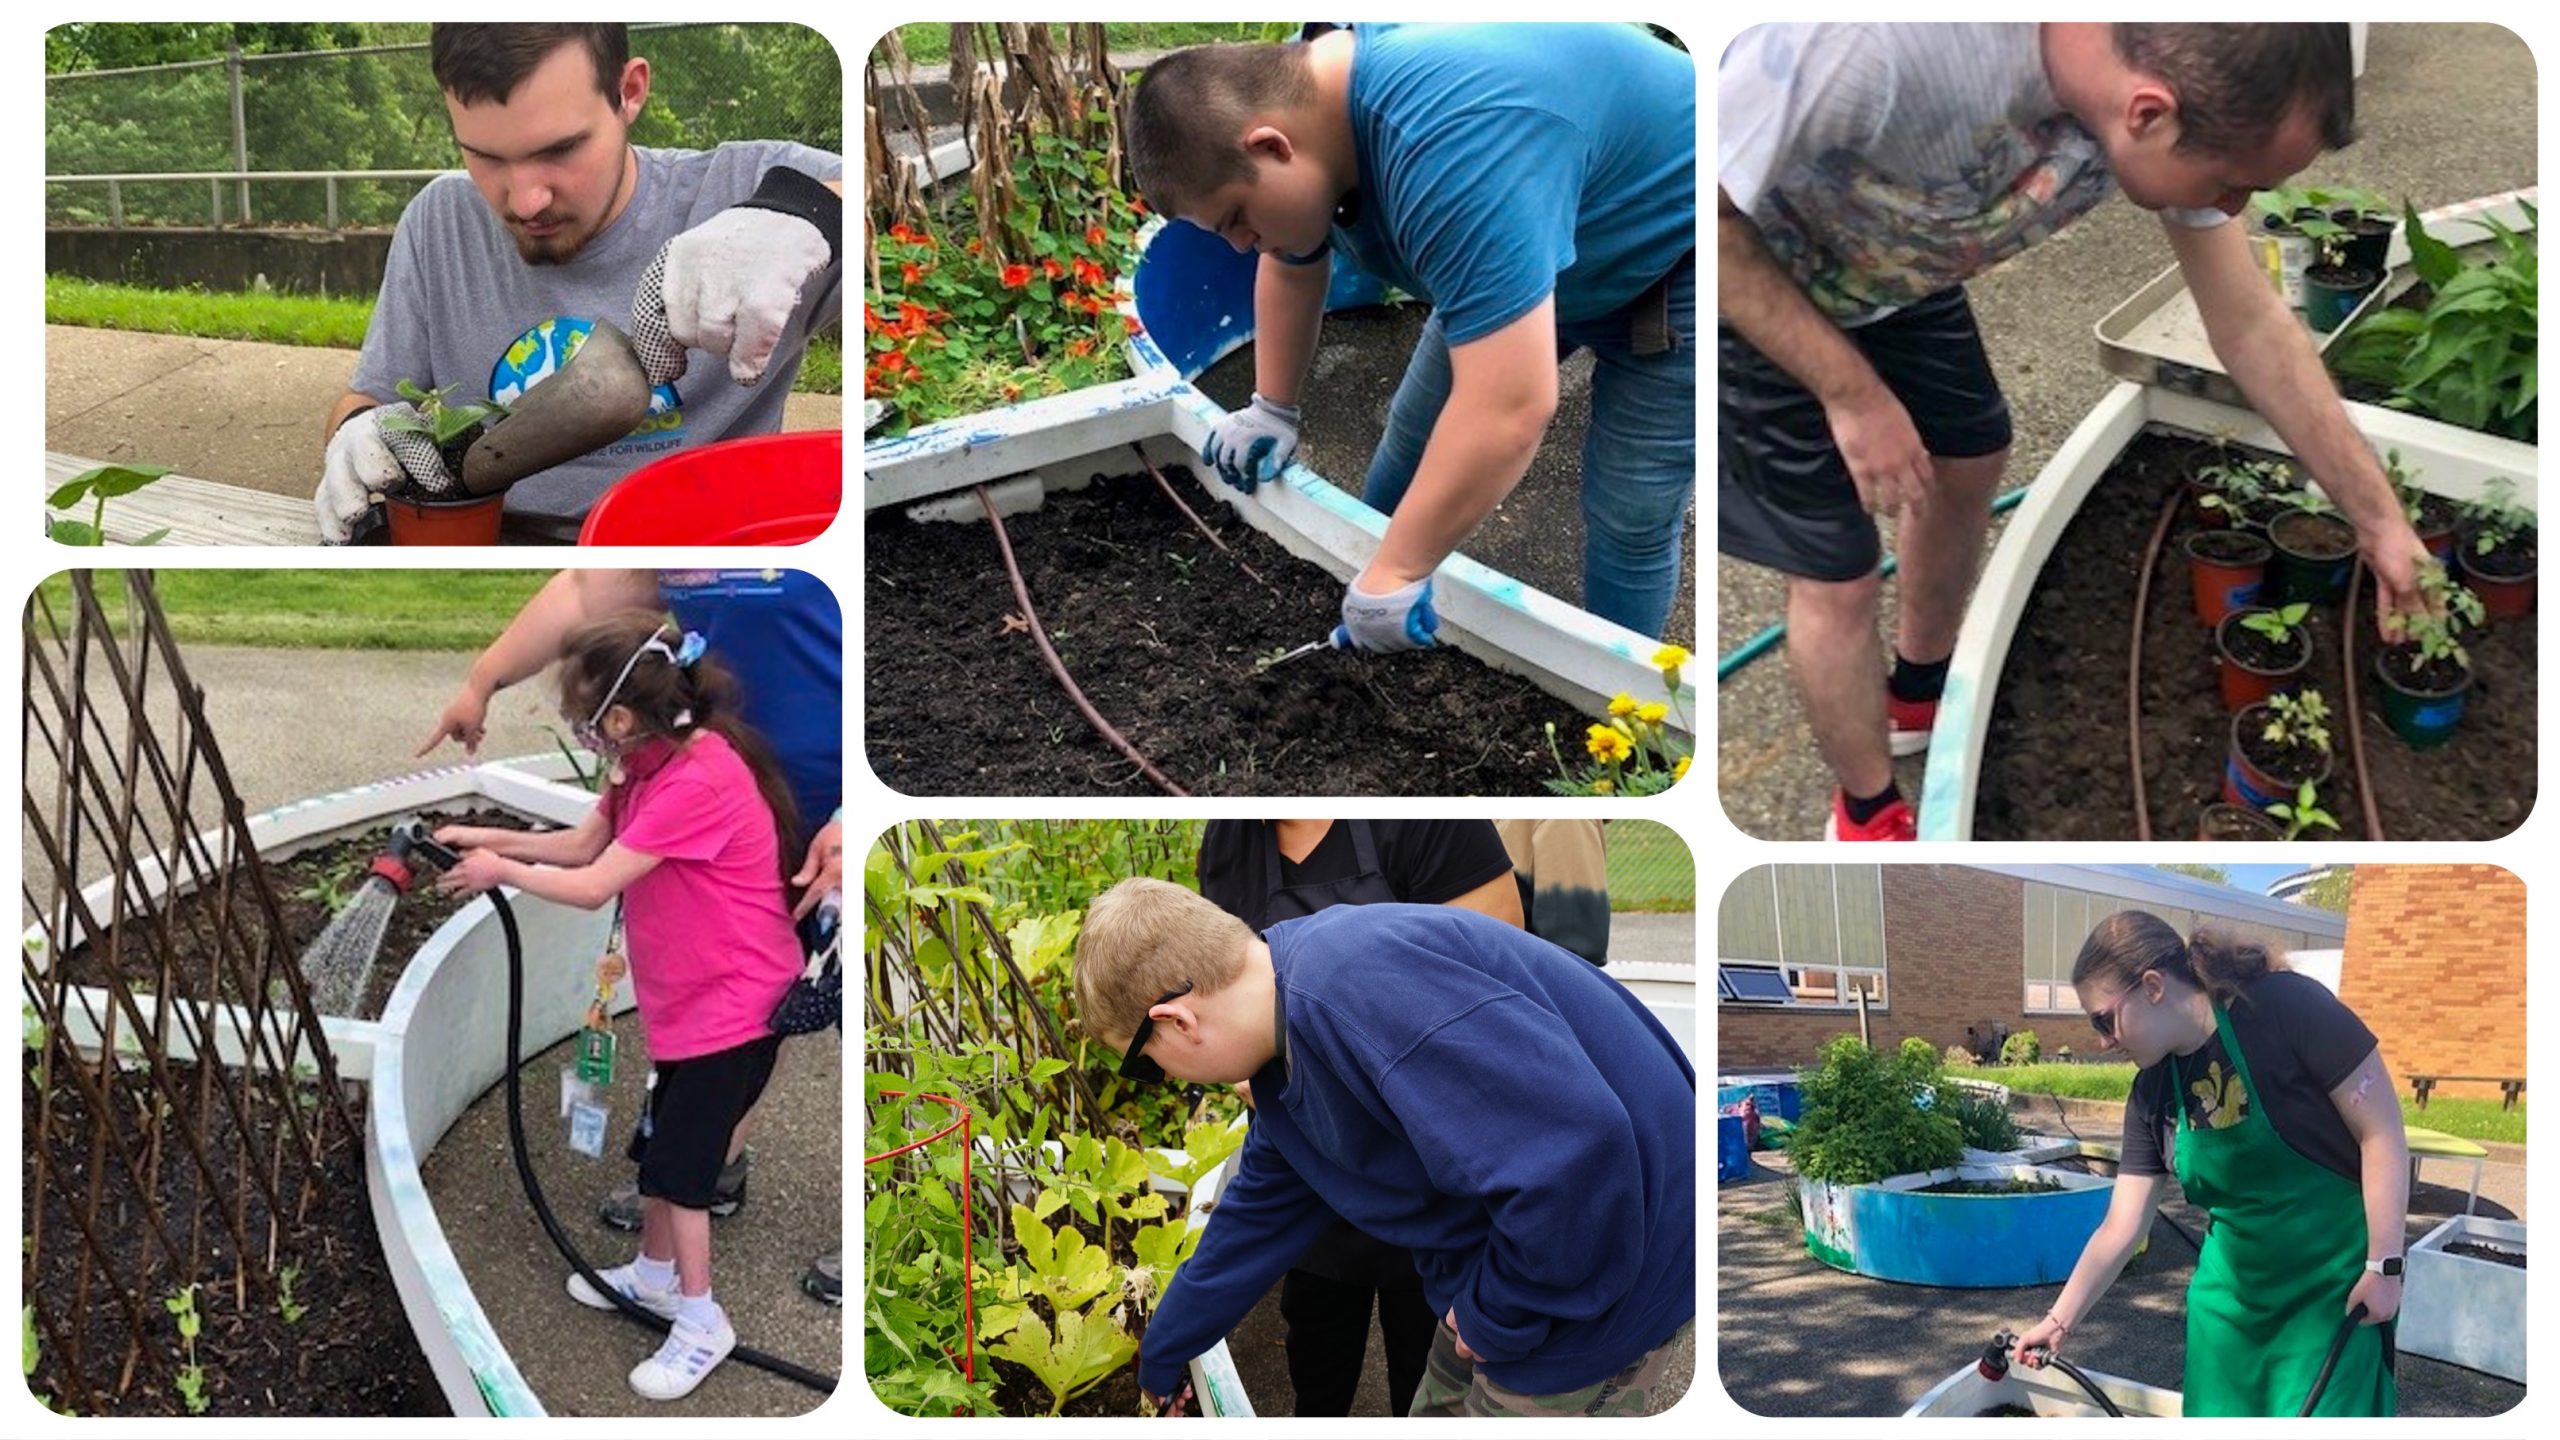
x=1537, y=184
x=1447, y=1083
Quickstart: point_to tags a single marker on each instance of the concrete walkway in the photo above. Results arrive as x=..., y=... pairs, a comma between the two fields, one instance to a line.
x=236, y=411
x=2443, y=118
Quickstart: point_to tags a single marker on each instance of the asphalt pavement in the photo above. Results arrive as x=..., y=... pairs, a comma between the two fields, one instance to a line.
x=2445, y=113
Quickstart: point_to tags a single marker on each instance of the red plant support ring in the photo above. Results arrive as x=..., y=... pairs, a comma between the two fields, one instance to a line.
x=968, y=1266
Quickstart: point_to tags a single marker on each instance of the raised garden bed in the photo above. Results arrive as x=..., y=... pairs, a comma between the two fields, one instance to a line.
x=2464, y=1300
x=348, y=1351
x=2044, y=1394
x=311, y=885
x=2056, y=767
x=1163, y=633
x=1908, y=1228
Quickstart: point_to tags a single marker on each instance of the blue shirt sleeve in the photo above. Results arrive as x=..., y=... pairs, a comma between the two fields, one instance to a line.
x=1503, y=1106
x=1488, y=253
x=1266, y=1218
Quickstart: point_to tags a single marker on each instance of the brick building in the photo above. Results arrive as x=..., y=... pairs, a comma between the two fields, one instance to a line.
x=2435, y=964
x=1935, y=949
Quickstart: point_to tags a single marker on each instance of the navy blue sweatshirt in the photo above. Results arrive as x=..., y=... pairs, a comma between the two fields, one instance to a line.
x=1454, y=1085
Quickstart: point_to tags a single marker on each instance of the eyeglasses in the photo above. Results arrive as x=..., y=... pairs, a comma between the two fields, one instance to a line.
x=1134, y=1064
x=2104, y=1021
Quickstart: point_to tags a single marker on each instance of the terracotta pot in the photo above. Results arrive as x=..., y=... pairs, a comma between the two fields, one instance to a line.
x=473, y=521
x=2230, y=582
x=2504, y=596
x=2244, y=685
x=2244, y=784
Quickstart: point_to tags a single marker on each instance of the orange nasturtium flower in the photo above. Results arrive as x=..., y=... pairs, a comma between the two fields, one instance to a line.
x=1094, y=237
x=900, y=231
x=910, y=272
x=1134, y=326
x=976, y=244
x=1088, y=273
x=912, y=318
x=1080, y=348
x=1050, y=267
x=1015, y=276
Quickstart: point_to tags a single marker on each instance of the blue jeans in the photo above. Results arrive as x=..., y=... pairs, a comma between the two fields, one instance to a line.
x=1639, y=459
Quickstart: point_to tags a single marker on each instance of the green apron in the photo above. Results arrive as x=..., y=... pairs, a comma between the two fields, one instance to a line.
x=2284, y=1247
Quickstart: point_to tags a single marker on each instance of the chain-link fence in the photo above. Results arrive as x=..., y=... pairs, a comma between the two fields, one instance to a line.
x=1650, y=868
x=377, y=108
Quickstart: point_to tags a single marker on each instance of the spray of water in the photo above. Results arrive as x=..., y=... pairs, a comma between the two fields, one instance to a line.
x=341, y=960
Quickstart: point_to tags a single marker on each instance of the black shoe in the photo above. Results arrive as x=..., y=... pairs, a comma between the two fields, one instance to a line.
x=621, y=1208
x=824, y=1279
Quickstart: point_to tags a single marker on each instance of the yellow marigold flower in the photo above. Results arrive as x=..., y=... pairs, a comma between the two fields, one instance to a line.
x=1680, y=769
x=1603, y=787
x=1608, y=745
x=1622, y=704
x=1670, y=658
x=1653, y=712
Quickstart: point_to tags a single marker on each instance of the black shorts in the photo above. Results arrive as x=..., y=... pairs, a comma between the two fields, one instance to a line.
x=1783, y=495
x=683, y=1136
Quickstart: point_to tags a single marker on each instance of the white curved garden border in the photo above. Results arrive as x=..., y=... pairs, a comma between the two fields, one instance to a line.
x=450, y=1004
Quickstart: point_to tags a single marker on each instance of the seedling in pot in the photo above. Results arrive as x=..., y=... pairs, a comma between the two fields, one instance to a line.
x=2261, y=652
x=2433, y=516
x=2298, y=722
x=2500, y=550
x=2426, y=676
x=2275, y=747
x=450, y=427
x=2332, y=288
x=2302, y=812
x=2318, y=546
x=2243, y=492
x=2279, y=626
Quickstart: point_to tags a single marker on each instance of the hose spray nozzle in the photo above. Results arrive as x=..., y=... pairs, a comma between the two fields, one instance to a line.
x=1994, y=1364
x=411, y=844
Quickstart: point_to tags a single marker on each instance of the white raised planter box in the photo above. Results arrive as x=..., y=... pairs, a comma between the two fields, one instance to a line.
x=2049, y=1393
x=1669, y=991
x=2464, y=1310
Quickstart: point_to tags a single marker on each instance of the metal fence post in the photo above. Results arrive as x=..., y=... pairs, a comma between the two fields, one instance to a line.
x=239, y=133
x=329, y=187
x=115, y=204
x=217, y=203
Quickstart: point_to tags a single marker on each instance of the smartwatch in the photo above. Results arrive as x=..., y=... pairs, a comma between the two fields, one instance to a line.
x=2391, y=1267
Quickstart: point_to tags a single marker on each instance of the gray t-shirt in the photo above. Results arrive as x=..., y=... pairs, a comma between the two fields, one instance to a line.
x=1885, y=163
x=460, y=307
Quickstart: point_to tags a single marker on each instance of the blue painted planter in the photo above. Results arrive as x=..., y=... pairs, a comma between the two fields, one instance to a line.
x=1733, y=1149
x=1195, y=296
x=1975, y=1242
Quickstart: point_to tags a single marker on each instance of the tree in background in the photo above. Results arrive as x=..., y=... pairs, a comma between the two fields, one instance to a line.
x=2330, y=891
x=2210, y=874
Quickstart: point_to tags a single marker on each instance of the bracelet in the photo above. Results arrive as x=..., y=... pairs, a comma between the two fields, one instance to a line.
x=2059, y=1323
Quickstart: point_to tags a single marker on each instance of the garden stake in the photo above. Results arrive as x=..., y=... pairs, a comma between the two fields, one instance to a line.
x=2355, y=710
x=1196, y=522
x=1057, y=667
x=2133, y=680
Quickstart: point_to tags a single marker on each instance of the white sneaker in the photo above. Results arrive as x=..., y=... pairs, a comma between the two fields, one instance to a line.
x=691, y=1352
x=625, y=1278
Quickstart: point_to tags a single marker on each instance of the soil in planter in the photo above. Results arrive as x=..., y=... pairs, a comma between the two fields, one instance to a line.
x=2260, y=653
x=350, y=1352
x=2491, y=1253
x=2287, y=764
x=1019, y=1392
x=2056, y=767
x=2020, y=1412
x=2420, y=675
x=2033, y=1186
x=2316, y=537
x=311, y=886
x=2517, y=556
x=1162, y=632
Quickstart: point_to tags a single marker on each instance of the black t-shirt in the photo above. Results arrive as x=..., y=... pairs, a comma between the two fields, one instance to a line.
x=1428, y=862
x=2301, y=1042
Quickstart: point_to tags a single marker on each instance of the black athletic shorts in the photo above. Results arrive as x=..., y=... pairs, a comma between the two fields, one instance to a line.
x=683, y=1136
x=1783, y=495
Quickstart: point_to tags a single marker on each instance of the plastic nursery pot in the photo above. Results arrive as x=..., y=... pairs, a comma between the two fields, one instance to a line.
x=2423, y=703
x=2226, y=568
x=2504, y=577
x=2292, y=253
x=2231, y=822
x=2368, y=242
x=2438, y=523
x=2330, y=293
x=2319, y=553
x=2246, y=779
x=472, y=521
x=2254, y=668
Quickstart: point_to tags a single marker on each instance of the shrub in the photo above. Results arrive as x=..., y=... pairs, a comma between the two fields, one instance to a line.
x=2469, y=358
x=1864, y=1117
x=2021, y=1049
x=1985, y=1121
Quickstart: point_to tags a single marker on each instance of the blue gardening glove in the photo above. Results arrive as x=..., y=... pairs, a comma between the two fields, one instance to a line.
x=731, y=284
x=1253, y=444
x=1401, y=619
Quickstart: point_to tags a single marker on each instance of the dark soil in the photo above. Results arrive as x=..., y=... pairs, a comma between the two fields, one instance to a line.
x=2229, y=547
x=2292, y=764
x=2057, y=769
x=2514, y=559
x=1162, y=634
x=2261, y=654
x=1990, y=1187
x=2314, y=537
x=2436, y=515
x=2419, y=675
x=2342, y=277
x=311, y=886
x=1019, y=1392
x=2006, y=1412
x=2492, y=1253
x=350, y=1352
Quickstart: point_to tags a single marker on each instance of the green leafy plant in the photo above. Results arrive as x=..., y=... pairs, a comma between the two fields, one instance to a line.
x=2021, y=1048
x=2469, y=357
x=438, y=416
x=336, y=888
x=2495, y=518
x=1864, y=1119
x=1985, y=1120
x=98, y=486
x=2278, y=625
x=2298, y=721
x=1080, y=1353
x=2302, y=813
x=2242, y=485
x=289, y=1308
x=1205, y=1146
x=2433, y=634
x=190, y=1380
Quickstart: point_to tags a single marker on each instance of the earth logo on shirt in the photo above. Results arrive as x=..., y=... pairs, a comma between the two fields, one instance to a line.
x=539, y=352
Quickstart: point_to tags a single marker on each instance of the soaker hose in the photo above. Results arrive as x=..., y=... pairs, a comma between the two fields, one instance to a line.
x=773, y=1364
x=1768, y=640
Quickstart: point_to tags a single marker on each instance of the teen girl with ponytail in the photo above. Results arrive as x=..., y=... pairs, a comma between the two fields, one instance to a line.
x=2268, y=1099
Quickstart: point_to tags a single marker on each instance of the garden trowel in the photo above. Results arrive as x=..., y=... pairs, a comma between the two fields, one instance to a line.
x=594, y=399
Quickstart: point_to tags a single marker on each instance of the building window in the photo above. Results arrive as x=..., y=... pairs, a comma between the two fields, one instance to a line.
x=1804, y=936
x=2059, y=921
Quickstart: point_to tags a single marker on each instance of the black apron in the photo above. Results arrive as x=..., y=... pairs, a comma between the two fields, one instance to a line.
x=1344, y=1252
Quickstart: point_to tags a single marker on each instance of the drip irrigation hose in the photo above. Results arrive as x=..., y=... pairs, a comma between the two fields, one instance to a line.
x=1194, y=517
x=1058, y=667
x=533, y=1195
x=2355, y=708
x=2133, y=663
x=1767, y=640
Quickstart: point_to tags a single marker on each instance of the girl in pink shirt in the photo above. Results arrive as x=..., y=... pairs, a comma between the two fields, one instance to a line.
x=685, y=835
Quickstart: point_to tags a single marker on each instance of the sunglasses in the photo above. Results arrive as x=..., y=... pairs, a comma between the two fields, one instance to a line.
x=2104, y=1021
x=1134, y=1064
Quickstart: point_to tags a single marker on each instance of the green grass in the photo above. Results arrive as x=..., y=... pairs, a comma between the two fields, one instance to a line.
x=1649, y=868
x=329, y=609
x=2472, y=1119
x=931, y=44
x=326, y=320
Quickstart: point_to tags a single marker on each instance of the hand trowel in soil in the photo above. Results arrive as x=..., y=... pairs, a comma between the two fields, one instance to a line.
x=594, y=399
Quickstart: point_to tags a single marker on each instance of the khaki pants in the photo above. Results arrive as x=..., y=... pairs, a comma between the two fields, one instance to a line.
x=1452, y=1387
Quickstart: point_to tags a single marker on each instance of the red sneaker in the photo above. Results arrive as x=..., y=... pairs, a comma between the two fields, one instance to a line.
x=1893, y=822
x=1909, y=723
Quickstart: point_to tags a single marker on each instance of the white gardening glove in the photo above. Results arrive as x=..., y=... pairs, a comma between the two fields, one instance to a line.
x=1253, y=444
x=731, y=284
x=366, y=462
x=1401, y=619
